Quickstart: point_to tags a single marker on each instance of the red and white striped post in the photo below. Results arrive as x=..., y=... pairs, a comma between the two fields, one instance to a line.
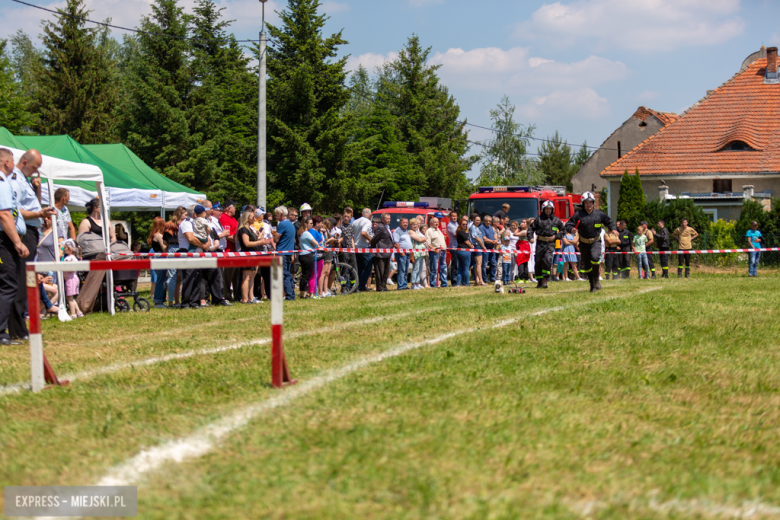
x=36, y=339
x=280, y=374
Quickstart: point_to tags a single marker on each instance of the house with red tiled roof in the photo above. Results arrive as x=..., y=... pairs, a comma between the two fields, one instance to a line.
x=723, y=149
x=636, y=129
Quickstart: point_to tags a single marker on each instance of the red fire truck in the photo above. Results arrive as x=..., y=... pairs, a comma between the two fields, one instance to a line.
x=524, y=201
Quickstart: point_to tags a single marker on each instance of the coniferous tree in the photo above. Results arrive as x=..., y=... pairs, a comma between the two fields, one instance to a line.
x=26, y=61
x=582, y=156
x=556, y=161
x=306, y=95
x=631, y=203
x=428, y=118
x=504, y=158
x=159, y=86
x=75, y=94
x=14, y=105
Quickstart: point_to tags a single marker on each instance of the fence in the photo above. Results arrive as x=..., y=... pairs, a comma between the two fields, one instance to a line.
x=42, y=372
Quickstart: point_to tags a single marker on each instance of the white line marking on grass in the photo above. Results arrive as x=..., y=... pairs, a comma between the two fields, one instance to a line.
x=697, y=507
x=110, y=369
x=204, y=440
x=117, y=367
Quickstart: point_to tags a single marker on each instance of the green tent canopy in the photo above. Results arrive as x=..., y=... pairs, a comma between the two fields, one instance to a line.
x=120, y=156
x=131, y=184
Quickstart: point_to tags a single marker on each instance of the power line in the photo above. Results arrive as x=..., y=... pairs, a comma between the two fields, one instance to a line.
x=137, y=31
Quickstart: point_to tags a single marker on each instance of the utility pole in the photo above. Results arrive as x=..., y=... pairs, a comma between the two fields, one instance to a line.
x=261, y=120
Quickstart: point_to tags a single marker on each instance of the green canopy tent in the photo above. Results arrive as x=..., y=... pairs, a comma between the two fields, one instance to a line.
x=121, y=157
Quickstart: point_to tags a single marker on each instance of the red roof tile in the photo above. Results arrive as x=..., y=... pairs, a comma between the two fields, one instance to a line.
x=742, y=109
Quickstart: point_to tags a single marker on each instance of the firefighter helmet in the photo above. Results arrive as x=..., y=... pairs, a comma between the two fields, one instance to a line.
x=588, y=196
x=548, y=204
x=305, y=207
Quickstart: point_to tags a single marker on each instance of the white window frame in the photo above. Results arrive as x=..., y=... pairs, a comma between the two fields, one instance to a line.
x=713, y=212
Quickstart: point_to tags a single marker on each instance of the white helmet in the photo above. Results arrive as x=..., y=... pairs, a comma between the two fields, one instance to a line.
x=305, y=207
x=548, y=204
x=588, y=196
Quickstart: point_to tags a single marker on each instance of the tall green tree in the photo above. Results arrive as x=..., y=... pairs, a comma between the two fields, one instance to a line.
x=505, y=159
x=631, y=202
x=555, y=161
x=581, y=157
x=306, y=95
x=159, y=86
x=223, y=112
x=75, y=94
x=430, y=126
x=15, y=107
x=26, y=61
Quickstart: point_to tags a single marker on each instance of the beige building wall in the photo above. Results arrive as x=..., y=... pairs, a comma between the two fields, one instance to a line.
x=630, y=134
x=680, y=185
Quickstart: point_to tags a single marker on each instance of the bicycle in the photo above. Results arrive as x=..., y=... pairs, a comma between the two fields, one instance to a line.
x=346, y=278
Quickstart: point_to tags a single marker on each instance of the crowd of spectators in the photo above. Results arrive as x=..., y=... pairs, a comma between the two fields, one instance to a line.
x=415, y=252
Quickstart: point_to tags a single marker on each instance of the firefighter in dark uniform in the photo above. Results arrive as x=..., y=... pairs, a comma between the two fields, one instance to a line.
x=589, y=222
x=611, y=261
x=547, y=228
x=626, y=246
x=664, y=242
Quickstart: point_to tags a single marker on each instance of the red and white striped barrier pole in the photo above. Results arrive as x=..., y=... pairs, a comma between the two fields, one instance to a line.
x=41, y=371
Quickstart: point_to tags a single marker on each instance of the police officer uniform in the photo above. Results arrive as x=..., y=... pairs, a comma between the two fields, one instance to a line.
x=27, y=200
x=12, y=275
x=589, y=227
x=664, y=243
x=547, y=229
x=626, y=241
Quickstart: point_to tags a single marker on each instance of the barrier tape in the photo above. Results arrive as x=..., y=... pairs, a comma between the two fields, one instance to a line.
x=370, y=250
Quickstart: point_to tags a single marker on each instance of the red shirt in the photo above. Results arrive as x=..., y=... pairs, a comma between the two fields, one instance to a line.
x=231, y=224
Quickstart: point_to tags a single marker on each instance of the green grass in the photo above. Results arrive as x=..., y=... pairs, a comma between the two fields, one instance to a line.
x=619, y=399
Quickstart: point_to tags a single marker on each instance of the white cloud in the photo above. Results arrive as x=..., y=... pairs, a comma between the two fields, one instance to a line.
x=515, y=70
x=635, y=24
x=370, y=60
x=570, y=104
x=335, y=7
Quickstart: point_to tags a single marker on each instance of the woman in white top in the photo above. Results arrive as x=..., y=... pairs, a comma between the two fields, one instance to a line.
x=419, y=243
x=437, y=255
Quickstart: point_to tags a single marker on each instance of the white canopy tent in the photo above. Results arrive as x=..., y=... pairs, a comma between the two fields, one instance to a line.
x=58, y=169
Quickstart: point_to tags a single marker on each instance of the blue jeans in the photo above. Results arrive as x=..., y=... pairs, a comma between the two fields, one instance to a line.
x=288, y=282
x=403, y=270
x=489, y=267
x=464, y=262
x=755, y=258
x=170, y=281
x=160, y=285
x=507, y=268
x=641, y=260
x=440, y=260
x=417, y=271
x=365, y=262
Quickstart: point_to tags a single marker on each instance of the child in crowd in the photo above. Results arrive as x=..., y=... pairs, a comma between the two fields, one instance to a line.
x=640, y=239
x=201, y=229
x=71, y=279
x=506, y=259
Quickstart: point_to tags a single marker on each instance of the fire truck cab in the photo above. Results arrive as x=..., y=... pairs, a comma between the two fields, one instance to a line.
x=427, y=207
x=524, y=201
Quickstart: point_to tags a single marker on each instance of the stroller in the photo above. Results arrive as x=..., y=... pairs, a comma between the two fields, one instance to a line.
x=123, y=284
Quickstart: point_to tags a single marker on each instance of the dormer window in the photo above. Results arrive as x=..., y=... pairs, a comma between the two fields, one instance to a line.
x=738, y=146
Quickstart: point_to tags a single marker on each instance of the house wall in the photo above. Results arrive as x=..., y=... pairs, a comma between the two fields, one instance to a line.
x=677, y=186
x=630, y=134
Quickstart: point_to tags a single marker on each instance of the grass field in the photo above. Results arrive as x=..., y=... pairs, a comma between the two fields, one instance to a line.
x=651, y=399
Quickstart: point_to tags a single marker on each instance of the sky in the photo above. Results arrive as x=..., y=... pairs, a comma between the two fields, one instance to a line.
x=579, y=67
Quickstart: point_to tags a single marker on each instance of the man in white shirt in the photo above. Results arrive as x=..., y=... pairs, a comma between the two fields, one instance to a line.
x=362, y=231
x=190, y=278
x=402, y=240
x=65, y=227
x=452, y=229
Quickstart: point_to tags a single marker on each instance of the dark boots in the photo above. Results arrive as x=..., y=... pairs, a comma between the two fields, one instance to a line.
x=540, y=281
x=679, y=272
x=544, y=282
x=687, y=272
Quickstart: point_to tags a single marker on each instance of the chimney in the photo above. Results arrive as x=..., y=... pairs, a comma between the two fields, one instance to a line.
x=663, y=191
x=747, y=191
x=771, y=59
